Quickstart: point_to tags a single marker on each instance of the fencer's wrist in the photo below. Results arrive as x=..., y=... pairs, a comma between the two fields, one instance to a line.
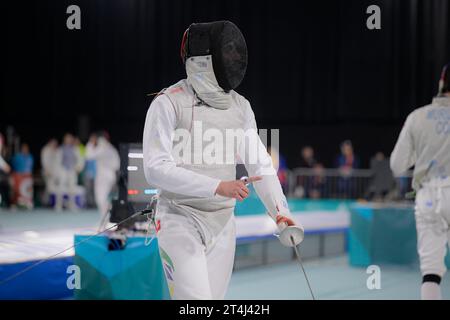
x=282, y=219
x=217, y=188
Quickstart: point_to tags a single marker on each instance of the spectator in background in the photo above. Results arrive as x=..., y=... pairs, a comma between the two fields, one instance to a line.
x=22, y=163
x=71, y=165
x=107, y=164
x=81, y=149
x=51, y=163
x=307, y=159
x=5, y=169
x=346, y=162
x=309, y=184
x=318, y=182
x=382, y=182
x=80, y=146
x=89, y=173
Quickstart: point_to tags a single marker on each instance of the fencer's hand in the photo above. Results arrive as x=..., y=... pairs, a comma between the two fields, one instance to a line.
x=235, y=188
x=283, y=219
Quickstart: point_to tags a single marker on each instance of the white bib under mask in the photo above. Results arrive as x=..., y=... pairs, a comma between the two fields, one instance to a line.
x=200, y=75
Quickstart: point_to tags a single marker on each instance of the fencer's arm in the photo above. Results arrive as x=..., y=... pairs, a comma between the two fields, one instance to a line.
x=402, y=157
x=258, y=162
x=159, y=165
x=105, y=152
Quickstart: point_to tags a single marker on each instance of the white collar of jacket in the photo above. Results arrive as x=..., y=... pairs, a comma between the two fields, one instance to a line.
x=443, y=101
x=200, y=75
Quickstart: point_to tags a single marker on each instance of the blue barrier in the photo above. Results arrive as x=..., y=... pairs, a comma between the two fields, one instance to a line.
x=46, y=281
x=134, y=272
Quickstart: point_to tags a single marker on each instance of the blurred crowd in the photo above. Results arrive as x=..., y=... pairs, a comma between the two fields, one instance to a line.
x=74, y=175
x=345, y=180
x=77, y=175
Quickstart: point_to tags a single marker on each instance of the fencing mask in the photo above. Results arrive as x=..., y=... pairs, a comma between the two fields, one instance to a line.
x=444, y=82
x=225, y=44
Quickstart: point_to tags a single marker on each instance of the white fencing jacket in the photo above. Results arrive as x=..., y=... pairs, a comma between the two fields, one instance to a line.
x=424, y=143
x=188, y=188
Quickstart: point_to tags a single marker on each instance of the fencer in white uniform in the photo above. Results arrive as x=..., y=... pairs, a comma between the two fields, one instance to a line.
x=69, y=164
x=424, y=143
x=107, y=164
x=51, y=162
x=186, y=158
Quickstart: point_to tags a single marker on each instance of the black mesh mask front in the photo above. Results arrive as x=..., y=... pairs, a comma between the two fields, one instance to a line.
x=225, y=43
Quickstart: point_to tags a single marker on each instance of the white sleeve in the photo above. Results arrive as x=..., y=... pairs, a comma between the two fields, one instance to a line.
x=258, y=162
x=160, y=168
x=402, y=157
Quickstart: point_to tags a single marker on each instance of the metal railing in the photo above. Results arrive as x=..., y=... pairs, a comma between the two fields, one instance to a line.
x=317, y=183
